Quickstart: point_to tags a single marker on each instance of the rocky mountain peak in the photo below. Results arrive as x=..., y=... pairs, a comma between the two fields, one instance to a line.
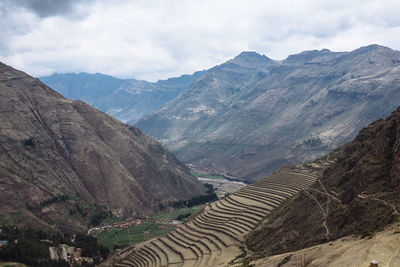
x=377, y=54
x=251, y=59
x=373, y=47
x=309, y=55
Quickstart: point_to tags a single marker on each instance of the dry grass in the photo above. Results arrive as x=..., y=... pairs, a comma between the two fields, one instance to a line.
x=348, y=251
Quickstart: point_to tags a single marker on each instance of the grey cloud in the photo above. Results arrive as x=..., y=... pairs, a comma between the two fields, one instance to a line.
x=19, y=17
x=161, y=38
x=48, y=8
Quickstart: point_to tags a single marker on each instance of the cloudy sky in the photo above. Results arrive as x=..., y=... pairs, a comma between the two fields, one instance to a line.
x=157, y=39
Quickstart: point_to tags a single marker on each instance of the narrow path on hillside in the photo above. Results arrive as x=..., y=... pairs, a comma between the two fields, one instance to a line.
x=324, y=214
x=375, y=197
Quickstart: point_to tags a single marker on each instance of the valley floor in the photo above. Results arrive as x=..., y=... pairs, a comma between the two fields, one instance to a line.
x=384, y=247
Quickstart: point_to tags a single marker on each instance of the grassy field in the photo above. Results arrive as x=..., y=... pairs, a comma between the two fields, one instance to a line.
x=12, y=264
x=198, y=174
x=142, y=232
x=171, y=215
x=133, y=235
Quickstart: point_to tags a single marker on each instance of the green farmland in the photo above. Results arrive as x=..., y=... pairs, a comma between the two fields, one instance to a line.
x=132, y=235
x=142, y=232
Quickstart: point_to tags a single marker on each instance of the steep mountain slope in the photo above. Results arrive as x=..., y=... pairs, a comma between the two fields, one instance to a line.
x=58, y=156
x=252, y=115
x=126, y=100
x=358, y=194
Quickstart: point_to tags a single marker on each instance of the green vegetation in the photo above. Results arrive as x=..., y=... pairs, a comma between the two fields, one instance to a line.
x=197, y=200
x=90, y=248
x=136, y=234
x=147, y=230
x=6, y=219
x=209, y=196
x=198, y=174
x=24, y=246
x=210, y=188
x=12, y=264
x=31, y=247
x=183, y=217
x=99, y=215
x=174, y=214
x=75, y=204
x=30, y=142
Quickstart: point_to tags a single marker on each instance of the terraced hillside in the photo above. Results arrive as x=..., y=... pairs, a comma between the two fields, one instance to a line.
x=215, y=236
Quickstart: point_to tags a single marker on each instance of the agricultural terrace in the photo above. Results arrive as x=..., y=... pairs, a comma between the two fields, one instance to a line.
x=214, y=237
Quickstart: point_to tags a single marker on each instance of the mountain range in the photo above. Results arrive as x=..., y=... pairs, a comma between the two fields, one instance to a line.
x=62, y=161
x=125, y=99
x=251, y=115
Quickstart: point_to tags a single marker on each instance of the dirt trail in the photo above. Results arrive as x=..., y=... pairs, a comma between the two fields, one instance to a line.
x=375, y=197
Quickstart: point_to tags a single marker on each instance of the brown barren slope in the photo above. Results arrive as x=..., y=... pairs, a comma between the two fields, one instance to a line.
x=51, y=146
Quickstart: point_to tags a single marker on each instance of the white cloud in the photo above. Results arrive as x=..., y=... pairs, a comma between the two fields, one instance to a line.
x=160, y=39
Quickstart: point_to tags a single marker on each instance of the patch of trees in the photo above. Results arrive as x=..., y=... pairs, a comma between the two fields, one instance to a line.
x=56, y=199
x=183, y=216
x=210, y=188
x=99, y=215
x=14, y=233
x=76, y=205
x=30, y=142
x=90, y=248
x=31, y=247
x=161, y=206
x=197, y=200
x=26, y=246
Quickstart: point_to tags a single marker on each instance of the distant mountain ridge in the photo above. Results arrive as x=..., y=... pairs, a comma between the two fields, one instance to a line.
x=252, y=115
x=124, y=99
x=61, y=160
